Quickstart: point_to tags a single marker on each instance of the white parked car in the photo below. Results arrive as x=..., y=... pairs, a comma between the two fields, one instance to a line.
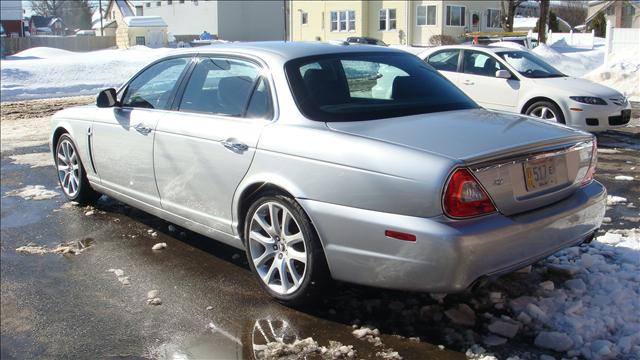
x=514, y=80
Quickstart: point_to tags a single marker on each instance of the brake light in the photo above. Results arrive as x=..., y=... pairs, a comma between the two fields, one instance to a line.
x=465, y=197
x=588, y=178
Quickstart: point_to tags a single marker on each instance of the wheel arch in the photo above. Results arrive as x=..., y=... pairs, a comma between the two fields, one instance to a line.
x=57, y=133
x=535, y=99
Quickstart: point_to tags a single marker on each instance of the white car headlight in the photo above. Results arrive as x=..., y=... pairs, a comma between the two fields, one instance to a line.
x=591, y=100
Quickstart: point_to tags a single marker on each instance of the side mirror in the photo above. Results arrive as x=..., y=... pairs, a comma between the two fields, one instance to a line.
x=107, y=98
x=503, y=74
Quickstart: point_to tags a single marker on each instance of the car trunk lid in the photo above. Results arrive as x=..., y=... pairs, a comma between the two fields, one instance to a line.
x=523, y=163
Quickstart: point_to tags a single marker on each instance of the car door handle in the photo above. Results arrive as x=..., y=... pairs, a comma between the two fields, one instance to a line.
x=142, y=129
x=468, y=82
x=236, y=147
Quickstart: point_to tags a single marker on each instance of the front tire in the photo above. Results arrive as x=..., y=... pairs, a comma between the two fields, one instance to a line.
x=546, y=110
x=283, y=250
x=71, y=174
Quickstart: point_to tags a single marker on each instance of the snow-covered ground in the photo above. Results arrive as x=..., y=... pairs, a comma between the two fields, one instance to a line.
x=621, y=72
x=40, y=73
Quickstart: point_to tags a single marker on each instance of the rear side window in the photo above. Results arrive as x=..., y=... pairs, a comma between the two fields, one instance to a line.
x=260, y=104
x=153, y=88
x=370, y=85
x=446, y=60
x=478, y=63
x=220, y=86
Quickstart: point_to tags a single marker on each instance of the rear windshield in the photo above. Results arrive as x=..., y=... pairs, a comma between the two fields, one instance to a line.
x=370, y=85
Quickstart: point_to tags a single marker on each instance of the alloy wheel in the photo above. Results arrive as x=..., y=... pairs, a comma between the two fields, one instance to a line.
x=544, y=113
x=68, y=168
x=277, y=248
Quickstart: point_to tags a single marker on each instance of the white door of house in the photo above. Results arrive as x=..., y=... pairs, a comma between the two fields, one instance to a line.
x=156, y=39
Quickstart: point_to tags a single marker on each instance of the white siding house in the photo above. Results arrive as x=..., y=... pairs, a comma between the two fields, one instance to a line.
x=232, y=20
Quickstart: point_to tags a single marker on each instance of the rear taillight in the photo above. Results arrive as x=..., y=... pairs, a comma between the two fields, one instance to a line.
x=588, y=178
x=465, y=197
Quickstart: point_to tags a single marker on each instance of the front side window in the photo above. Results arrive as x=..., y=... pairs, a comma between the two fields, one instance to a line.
x=426, y=15
x=493, y=18
x=529, y=65
x=343, y=20
x=446, y=60
x=153, y=88
x=370, y=85
x=220, y=86
x=478, y=63
x=455, y=15
x=387, y=19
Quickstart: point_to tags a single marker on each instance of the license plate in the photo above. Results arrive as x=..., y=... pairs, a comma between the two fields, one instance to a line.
x=540, y=174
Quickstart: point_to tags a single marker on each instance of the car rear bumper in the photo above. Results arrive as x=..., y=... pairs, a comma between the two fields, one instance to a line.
x=598, y=117
x=449, y=256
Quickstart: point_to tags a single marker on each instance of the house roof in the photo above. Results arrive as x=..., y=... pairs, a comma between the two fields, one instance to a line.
x=144, y=21
x=44, y=21
x=125, y=8
x=598, y=6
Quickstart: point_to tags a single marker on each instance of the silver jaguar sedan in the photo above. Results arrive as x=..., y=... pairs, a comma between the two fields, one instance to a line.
x=309, y=159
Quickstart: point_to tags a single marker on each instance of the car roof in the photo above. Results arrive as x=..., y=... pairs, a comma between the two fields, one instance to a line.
x=285, y=50
x=487, y=48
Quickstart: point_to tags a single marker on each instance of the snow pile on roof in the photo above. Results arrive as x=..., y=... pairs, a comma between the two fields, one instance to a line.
x=144, y=21
x=571, y=61
x=41, y=73
x=621, y=72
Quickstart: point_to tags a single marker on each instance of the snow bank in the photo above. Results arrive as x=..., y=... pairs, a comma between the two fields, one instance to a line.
x=621, y=72
x=40, y=73
x=595, y=314
x=571, y=61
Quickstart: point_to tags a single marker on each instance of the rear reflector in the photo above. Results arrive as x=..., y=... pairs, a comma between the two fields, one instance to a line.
x=465, y=197
x=399, y=235
x=592, y=166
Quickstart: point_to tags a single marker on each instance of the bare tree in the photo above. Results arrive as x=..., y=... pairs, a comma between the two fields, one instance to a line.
x=573, y=12
x=47, y=7
x=542, y=21
x=509, y=12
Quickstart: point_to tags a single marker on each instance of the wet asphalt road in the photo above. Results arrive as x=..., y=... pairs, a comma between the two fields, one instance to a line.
x=60, y=306
x=70, y=306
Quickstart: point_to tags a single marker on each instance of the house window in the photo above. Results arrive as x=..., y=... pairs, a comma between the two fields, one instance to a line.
x=455, y=15
x=304, y=18
x=169, y=2
x=148, y=4
x=139, y=40
x=387, y=19
x=158, y=3
x=426, y=15
x=611, y=10
x=493, y=18
x=343, y=20
x=139, y=11
x=113, y=14
x=181, y=1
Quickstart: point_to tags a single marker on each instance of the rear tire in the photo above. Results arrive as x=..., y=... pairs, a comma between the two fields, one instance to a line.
x=546, y=110
x=71, y=174
x=286, y=256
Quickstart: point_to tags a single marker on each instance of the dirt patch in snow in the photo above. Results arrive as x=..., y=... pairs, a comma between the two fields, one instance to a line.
x=33, y=192
x=40, y=108
x=33, y=160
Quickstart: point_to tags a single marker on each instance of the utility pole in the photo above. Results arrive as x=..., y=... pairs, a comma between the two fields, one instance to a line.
x=100, y=12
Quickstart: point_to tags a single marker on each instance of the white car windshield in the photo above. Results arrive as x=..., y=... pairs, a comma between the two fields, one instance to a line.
x=529, y=65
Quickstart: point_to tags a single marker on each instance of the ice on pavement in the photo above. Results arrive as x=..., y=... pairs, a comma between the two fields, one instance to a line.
x=615, y=200
x=624, y=178
x=33, y=192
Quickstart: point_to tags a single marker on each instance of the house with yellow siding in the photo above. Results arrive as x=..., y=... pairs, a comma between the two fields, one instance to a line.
x=396, y=22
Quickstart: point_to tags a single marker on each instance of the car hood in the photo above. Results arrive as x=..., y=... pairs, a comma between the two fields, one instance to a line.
x=579, y=87
x=467, y=135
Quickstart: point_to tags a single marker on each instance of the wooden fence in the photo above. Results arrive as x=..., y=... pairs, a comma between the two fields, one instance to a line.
x=72, y=43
